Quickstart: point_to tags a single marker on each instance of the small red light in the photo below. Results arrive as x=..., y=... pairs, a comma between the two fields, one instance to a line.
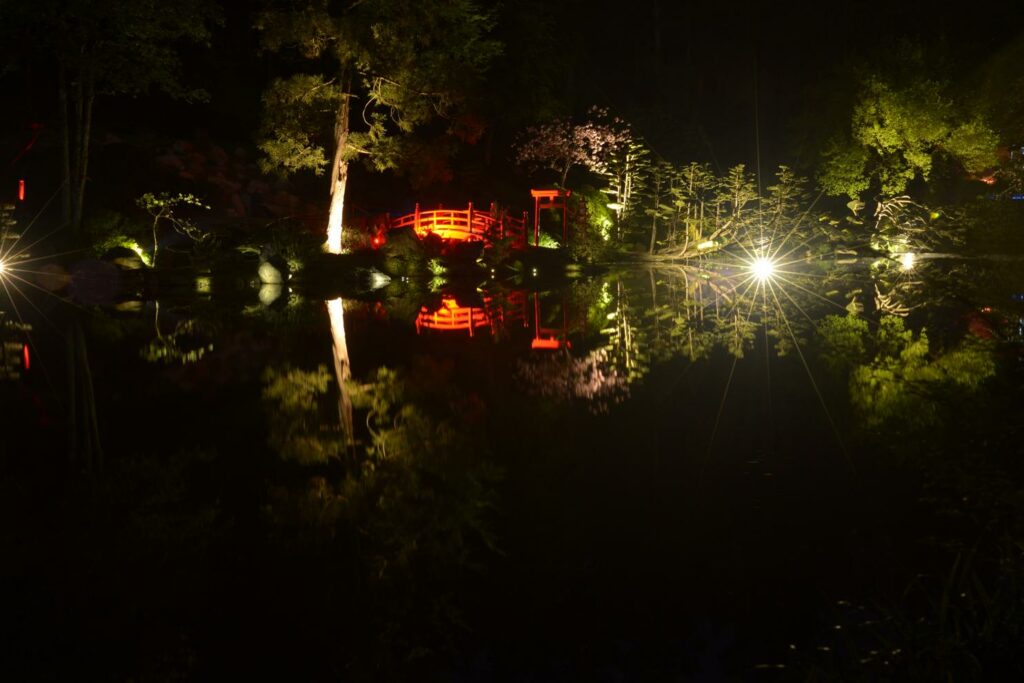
x=21, y=190
x=24, y=355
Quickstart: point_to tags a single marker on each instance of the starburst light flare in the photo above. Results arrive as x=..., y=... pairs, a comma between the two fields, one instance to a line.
x=762, y=268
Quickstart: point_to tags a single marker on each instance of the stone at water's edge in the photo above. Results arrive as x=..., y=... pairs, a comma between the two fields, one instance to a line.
x=271, y=274
x=269, y=293
x=123, y=258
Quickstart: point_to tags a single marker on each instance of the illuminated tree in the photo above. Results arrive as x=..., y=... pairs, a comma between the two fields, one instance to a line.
x=400, y=63
x=561, y=376
x=561, y=145
x=625, y=170
x=897, y=135
x=163, y=208
x=295, y=415
x=691, y=197
x=661, y=182
x=901, y=379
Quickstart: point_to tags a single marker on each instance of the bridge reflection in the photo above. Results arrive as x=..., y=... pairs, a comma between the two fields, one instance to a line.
x=497, y=314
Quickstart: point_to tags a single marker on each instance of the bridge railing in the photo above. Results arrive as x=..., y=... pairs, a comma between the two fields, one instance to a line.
x=466, y=224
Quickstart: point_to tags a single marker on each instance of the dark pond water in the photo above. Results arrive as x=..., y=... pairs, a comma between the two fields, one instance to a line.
x=657, y=474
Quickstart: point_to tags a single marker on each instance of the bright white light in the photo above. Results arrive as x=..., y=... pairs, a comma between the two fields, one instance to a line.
x=378, y=279
x=762, y=268
x=907, y=261
x=3, y=267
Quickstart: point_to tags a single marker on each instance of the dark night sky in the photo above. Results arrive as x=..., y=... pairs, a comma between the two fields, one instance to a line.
x=684, y=73
x=685, y=69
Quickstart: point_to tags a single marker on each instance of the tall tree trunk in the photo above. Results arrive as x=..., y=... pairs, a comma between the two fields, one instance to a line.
x=83, y=427
x=342, y=367
x=156, y=242
x=85, y=135
x=654, y=214
x=62, y=95
x=339, y=178
x=76, y=98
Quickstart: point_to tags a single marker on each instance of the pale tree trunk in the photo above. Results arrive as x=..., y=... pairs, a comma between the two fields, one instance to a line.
x=65, y=120
x=342, y=367
x=339, y=178
x=83, y=427
x=654, y=234
x=654, y=214
x=156, y=242
x=76, y=103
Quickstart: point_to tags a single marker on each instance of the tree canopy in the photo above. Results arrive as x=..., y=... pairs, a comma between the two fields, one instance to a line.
x=897, y=135
x=404, y=62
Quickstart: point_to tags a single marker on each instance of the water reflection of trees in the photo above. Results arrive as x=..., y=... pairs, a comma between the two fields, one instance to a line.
x=680, y=311
x=895, y=377
x=406, y=510
x=12, y=347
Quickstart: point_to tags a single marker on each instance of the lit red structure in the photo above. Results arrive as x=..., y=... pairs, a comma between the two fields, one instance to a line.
x=452, y=317
x=473, y=225
x=495, y=315
x=550, y=199
x=549, y=337
x=459, y=225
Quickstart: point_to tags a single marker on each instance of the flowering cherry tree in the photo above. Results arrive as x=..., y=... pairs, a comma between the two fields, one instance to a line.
x=561, y=145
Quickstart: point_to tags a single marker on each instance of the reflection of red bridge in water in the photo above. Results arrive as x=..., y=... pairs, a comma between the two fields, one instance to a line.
x=495, y=316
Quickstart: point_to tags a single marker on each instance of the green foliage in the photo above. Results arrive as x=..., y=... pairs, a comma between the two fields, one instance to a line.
x=108, y=229
x=897, y=134
x=894, y=376
x=163, y=204
x=548, y=241
x=786, y=197
x=104, y=48
x=410, y=62
x=600, y=218
x=736, y=190
x=843, y=169
x=11, y=333
x=164, y=207
x=296, y=111
x=187, y=343
x=588, y=247
x=844, y=340
x=419, y=490
x=1002, y=90
x=7, y=222
x=295, y=415
x=122, y=46
x=438, y=273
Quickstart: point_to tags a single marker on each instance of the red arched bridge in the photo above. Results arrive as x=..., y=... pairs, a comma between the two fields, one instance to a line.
x=472, y=224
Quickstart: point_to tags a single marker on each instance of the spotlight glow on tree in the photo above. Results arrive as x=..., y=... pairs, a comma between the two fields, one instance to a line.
x=762, y=268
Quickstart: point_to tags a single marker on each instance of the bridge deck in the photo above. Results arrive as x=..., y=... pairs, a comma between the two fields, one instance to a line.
x=466, y=224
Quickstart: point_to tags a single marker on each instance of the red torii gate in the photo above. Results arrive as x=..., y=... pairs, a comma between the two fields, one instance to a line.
x=550, y=199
